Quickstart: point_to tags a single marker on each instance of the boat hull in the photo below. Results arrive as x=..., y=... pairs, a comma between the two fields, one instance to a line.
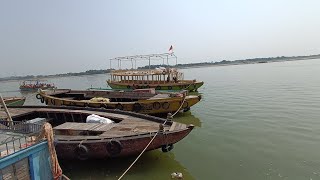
x=188, y=85
x=129, y=135
x=130, y=146
x=15, y=101
x=145, y=106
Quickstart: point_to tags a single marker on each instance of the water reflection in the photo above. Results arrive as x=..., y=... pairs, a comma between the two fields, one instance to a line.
x=155, y=164
x=187, y=118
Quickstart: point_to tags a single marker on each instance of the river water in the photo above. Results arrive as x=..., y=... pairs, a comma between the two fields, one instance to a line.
x=256, y=121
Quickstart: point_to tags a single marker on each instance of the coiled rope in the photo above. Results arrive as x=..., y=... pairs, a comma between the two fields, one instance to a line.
x=184, y=99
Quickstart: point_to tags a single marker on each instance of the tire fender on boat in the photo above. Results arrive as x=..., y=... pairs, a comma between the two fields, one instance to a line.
x=167, y=148
x=137, y=107
x=170, y=87
x=165, y=105
x=158, y=88
x=38, y=96
x=81, y=152
x=114, y=147
x=185, y=104
x=119, y=106
x=156, y=105
x=42, y=100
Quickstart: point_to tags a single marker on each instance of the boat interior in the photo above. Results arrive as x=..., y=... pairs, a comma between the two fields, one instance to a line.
x=111, y=96
x=70, y=123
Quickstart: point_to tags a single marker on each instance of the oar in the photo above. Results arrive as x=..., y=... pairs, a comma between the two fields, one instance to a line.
x=5, y=108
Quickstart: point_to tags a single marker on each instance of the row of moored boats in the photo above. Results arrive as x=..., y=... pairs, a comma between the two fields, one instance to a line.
x=103, y=123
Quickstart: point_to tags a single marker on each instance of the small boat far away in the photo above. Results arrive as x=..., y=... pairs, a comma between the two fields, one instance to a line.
x=161, y=78
x=14, y=101
x=34, y=85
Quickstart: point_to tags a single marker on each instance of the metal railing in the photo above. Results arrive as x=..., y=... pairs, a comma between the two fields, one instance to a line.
x=19, y=127
x=15, y=136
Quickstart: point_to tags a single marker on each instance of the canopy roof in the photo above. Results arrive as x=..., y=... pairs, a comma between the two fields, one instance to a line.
x=144, y=72
x=35, y=80
x=148, y=57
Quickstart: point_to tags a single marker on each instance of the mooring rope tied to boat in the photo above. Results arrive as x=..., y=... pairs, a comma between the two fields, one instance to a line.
x=184, y=99
x=188, y=86
x=151, y=140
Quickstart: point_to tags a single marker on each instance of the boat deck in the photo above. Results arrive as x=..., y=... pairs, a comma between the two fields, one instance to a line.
x=70, y=129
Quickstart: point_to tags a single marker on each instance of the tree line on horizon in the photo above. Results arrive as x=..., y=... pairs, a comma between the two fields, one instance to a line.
x=223, y=62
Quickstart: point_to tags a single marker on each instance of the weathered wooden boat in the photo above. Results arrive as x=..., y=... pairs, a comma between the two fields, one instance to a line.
x=159, y=78
x=146, y=101
x=34, y=85
x=128, y=135
x=14, y=101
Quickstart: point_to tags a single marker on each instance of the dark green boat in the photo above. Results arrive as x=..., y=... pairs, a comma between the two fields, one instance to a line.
x=14, y=101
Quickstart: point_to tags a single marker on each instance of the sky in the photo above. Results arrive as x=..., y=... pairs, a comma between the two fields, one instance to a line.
x=49, y=37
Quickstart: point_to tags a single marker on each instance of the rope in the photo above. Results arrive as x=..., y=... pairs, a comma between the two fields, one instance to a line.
x=188, y=86
x=150, y=141
x=184, y=99
x=140, y=154
x=47, y=133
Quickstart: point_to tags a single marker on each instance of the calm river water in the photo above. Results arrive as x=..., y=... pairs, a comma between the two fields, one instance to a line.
x=258, y=121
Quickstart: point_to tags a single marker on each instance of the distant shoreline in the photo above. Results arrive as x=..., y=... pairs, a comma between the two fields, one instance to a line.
x=179, y=66
x=232, y=64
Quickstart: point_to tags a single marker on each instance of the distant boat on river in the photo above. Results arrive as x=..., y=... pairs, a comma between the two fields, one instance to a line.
x=34, y=85
x=14, y=101
x=162, y=78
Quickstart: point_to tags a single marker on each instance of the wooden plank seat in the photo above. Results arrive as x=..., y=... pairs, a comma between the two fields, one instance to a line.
x=74, y=128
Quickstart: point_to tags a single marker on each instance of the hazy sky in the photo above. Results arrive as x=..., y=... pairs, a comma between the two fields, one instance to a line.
x=48, y=37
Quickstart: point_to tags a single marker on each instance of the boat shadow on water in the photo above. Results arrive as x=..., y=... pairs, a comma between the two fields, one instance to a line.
x=152, y=165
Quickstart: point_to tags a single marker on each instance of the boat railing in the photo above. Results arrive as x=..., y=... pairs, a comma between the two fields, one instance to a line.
x=15, y=136
x=19, y=127
x=131, y=72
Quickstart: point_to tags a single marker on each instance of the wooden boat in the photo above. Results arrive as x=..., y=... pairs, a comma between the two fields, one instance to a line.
x=128, y=135
x=34, y=85
x=159, y=78
x=145, y=101
x=14, y=101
